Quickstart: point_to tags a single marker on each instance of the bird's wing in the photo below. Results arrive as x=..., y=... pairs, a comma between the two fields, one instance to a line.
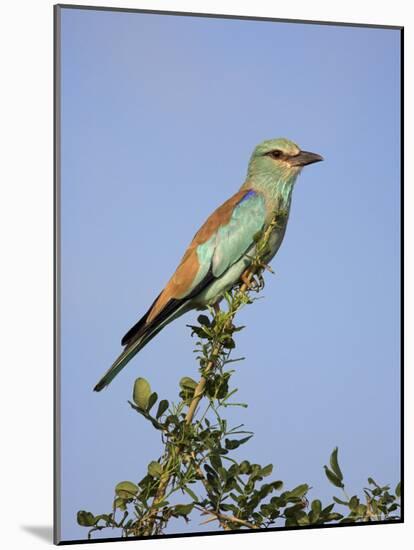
x=220, y=242
x=223, y=239
x=234, y=238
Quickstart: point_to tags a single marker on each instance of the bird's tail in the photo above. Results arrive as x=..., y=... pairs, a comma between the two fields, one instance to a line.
x=141, y=339
x=126, y=356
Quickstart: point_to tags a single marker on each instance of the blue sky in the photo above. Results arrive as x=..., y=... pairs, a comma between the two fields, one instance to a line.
x=159, y=117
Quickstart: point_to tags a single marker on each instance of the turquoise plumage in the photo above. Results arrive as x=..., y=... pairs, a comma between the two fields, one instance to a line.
x=222, y=249
x=236, y=237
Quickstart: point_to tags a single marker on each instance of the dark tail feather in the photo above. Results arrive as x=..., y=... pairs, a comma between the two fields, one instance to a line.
x=138, y=328
x=141, y=333
x=126, y=356
x=140, y=340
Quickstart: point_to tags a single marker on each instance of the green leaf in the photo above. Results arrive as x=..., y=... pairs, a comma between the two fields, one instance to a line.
x=374, y=506
x=298, y=492
x=328, y=509
x=210, y=470
x=160, y=504
x=86, y=519
x=361, y=510
x=334, y=516
x=146, y=482
x=267, y=470
x=199, y=331
x=203, y=320
x=316, y=508
x=302, y=518
x=162, y=407
x=398, y=490
x=339, y=501
x=183, y=509
x=292, y=511
x=354, y=503
x=154, y=469
x=234, y=470
x=152, y=400
x=222, y=472
x=245, y=467
x=215, y=461
x=126, y=489
x=188, y=383
x=334, y=464
x=120, y=503
x=278, y=502
x=228, y=343
x=372, y=482
x=229, y=507
x=264, y=490
x=333, y=478
x=142, y=392
x=231, y=444
x=190, y=493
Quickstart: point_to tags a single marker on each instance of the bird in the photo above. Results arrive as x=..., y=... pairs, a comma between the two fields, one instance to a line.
x=222, y=249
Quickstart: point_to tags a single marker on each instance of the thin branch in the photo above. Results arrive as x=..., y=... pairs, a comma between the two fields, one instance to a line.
x=225, y=517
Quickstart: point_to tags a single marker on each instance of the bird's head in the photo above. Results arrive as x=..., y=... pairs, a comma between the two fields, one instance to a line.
x=279, y=158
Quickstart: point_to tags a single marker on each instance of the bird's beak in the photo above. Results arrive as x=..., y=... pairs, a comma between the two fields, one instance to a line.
x=304, y=158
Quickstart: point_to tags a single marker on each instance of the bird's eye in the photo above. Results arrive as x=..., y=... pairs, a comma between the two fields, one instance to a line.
x=276, y=154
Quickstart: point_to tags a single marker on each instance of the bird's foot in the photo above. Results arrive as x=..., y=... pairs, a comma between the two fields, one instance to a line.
x=260, y=282
x=254, y=282
x=247, y=279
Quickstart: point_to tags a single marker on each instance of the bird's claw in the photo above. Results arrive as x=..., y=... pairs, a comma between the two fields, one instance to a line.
x=246, y=279
x=255, y=282
x=260, y=282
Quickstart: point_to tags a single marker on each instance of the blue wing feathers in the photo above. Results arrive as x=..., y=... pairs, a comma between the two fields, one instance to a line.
x=237, y=236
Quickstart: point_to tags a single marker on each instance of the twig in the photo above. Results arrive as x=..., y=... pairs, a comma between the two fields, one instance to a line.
x=224, y=517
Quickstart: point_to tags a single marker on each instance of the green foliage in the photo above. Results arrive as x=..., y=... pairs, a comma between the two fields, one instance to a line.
x=200, y=461
x=188, y=386
x=126, y=489
x=378, y=503
x=141, y=393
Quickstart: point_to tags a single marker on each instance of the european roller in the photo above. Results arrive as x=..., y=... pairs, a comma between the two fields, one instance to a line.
x=223, y=247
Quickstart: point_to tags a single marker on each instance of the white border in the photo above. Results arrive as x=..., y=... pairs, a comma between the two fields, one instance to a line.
x=26, y=295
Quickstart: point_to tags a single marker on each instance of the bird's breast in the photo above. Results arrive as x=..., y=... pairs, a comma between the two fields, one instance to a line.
x=232, y=275
x=275, y=240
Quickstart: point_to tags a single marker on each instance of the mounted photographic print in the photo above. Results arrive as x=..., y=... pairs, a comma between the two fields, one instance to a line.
x=228, y=274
